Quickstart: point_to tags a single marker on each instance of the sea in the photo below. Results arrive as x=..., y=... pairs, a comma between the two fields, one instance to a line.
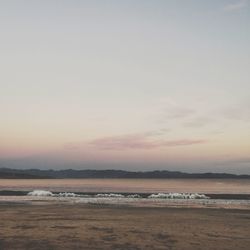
x=223, y=193
x=205, y=186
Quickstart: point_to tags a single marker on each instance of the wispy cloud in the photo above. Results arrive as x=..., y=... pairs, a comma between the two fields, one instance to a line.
x=76, y=145
x=198, y=122
x=72, y=145
x=239, y=111
x=171, y=110
x=139, y=142
x=236, y=5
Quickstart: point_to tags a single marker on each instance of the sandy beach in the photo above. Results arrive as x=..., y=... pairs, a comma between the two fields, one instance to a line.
x=52, y=225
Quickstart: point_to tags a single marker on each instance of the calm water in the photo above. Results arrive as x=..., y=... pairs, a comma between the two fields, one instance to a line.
x=130, y=185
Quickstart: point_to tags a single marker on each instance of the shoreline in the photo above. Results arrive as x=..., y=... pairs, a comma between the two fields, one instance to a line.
x=224, y=196
x=130, y=202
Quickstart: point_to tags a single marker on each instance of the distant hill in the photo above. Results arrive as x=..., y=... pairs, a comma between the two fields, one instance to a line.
x=7, y=173
x=16, y=174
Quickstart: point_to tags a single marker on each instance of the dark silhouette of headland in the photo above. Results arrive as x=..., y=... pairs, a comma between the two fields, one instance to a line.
x=8, y=173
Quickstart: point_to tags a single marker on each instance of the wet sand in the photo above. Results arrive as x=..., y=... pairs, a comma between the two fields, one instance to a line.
x=48, y=225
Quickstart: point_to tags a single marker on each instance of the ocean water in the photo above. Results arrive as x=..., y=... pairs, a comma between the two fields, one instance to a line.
x=203, y=186
x=203, y=193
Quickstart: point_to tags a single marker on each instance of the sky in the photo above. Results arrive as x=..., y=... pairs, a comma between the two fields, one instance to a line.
x=133, y=85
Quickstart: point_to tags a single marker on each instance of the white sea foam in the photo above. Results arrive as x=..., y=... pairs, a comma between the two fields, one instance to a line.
x=178, y=196
x=48, y=193
x=65, y=194
x=110, y=195
x=133, y=196
x=40, y=193
x=44, y=193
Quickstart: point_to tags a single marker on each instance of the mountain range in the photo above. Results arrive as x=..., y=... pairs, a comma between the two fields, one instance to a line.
x=8, y=173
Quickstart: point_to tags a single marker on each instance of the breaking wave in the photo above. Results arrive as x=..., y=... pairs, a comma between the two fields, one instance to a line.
x=110, y=195
x=114, y=195
x=178, y=196
x=67, y=195
x=133, y=196
x=40, y=193
x=48, y=193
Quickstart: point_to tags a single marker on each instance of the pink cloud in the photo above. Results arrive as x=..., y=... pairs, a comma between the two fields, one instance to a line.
x=139, y=142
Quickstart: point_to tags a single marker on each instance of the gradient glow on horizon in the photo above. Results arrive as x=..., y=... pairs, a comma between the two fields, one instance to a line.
x=134, y=85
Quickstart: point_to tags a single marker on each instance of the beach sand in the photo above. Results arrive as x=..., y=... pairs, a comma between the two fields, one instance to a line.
x=45, y=226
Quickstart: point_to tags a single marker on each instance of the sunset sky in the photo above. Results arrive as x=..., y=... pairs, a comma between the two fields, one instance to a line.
x=133, y=85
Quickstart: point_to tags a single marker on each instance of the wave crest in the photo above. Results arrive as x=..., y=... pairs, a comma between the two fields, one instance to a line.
x=40, y=193
x=178, y=196
x=110, y=195
x=114, y=195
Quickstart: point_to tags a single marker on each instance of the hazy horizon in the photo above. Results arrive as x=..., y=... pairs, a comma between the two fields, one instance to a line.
x=132, y=85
